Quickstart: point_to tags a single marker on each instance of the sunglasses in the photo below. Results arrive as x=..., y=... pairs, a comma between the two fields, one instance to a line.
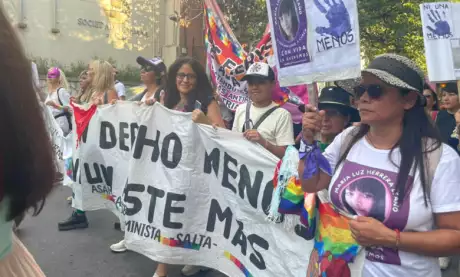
x=147, y=68
x=427, y=96
x=374, y=91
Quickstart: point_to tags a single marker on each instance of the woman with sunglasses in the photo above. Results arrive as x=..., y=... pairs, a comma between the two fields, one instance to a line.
x=399, y=147
x=432, y=106
x=153, y=75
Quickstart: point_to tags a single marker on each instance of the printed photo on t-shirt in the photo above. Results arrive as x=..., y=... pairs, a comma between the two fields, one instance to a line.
x=365, y=191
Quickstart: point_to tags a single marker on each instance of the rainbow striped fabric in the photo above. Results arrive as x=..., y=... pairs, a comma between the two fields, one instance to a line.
x=334, y=244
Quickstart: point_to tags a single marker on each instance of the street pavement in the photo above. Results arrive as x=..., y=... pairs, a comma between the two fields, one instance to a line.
x=85, y=253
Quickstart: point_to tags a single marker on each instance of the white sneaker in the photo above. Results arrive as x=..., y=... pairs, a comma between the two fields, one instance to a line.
x=119, y=247
x=444, y=262
x=190, y=270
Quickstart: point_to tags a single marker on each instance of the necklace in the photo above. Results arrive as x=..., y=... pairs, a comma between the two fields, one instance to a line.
x=370, y=140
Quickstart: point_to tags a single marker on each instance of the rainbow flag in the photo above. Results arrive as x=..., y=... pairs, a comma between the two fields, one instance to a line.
x=228, y=61
x=334, y=246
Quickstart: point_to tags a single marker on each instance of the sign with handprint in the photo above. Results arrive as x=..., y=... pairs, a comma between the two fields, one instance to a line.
x=441, y=35
x=289, y=28
x=437, y=20
x=328, y=30
x=335, y=28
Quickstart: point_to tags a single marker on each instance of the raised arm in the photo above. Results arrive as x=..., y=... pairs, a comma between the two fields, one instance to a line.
x=311, y=166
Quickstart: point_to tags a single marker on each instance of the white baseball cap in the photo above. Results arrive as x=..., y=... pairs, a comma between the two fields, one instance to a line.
x=259, y=70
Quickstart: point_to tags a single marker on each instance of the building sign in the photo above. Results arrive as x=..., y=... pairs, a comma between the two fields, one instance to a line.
x=97, y=24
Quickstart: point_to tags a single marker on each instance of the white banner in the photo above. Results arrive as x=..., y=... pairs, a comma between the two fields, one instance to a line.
x=315, y=40
x=441, y=34
x=190, y=194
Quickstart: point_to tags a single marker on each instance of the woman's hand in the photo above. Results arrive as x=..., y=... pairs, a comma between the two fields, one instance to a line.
x=199, y=117
x=368, y=231
x=311, y=122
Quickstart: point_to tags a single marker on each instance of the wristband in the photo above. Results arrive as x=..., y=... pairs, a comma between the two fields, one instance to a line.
x=314, y=161
x=305, y=148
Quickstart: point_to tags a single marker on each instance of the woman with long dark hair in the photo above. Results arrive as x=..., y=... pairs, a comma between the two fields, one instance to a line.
x=399, y=146
x=288, y=19
x=188, y=89
x=27, y=172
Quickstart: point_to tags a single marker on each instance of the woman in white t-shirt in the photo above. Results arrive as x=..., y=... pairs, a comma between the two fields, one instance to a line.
x=58, y=98
x=392, y=174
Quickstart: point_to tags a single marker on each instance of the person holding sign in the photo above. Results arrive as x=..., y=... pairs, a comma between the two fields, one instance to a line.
x=101, y=92
x=188, y=90
x=339, y=113
x=153, y=75
x=398, y=149
x=27, y=171
x=261, y=120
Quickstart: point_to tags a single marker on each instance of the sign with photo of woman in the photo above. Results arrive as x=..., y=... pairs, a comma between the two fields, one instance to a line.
x=289, y=29
x=365, y=191
x=315, y=40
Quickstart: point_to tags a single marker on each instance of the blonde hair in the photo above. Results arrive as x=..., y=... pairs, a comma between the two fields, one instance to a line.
x=103, y=79
x=84, y=96
x=63, y=83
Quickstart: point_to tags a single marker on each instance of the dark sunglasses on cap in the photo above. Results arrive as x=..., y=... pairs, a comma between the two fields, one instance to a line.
x=374, y=91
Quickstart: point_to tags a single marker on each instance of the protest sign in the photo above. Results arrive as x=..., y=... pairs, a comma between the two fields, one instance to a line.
x=190, y=194
x=316, y=41
x=228, y=63
x=441, y=35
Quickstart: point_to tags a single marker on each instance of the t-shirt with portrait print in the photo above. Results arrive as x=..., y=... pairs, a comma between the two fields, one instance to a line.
x=364, y=184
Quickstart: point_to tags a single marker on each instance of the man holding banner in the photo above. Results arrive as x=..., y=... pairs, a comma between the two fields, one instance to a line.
x=261, y=120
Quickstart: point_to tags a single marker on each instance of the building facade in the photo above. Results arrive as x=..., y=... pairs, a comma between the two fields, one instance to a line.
x=72, y=32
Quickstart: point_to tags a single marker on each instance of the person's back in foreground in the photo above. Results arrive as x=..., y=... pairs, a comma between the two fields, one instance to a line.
x=27, y=171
